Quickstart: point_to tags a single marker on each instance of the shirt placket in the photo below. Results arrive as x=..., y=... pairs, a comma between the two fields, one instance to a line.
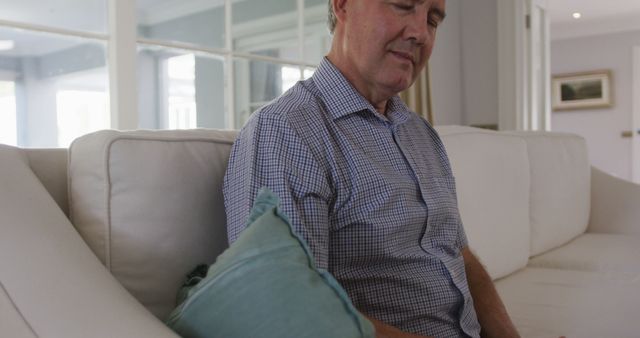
x=456, y=272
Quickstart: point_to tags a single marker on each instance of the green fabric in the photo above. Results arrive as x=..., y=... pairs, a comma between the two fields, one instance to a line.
x=266, y=285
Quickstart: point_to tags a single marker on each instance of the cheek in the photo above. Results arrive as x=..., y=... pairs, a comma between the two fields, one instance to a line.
x=426, y=54
x=363, y=39
x=380, y=34
x=428, y=48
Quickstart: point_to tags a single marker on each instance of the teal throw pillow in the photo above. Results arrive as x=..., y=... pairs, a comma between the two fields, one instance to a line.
x=266, y=285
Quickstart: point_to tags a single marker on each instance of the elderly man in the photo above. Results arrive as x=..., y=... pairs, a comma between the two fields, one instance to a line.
x=366, y=182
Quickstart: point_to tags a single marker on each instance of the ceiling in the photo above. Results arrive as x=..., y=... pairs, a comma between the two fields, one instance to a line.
x=598, y=17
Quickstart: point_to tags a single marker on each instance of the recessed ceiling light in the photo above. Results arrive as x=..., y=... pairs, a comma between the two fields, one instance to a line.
x=7, y=45
x=577, y=15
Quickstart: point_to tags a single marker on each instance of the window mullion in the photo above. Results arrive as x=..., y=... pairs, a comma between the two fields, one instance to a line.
x=122, y=64
x=229, y=69
x=301, y=48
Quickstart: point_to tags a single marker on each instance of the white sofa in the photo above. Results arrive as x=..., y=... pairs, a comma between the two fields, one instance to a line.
x=95, y=241
x=561, y=239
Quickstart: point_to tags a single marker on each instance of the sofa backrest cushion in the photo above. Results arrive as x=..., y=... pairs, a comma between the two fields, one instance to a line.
x=150, y=205
x=560, y=188
x=492, y=181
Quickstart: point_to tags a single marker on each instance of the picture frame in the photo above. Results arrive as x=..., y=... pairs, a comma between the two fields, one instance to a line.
x=585, y=90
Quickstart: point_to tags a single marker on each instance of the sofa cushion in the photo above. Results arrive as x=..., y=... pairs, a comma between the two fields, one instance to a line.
x=560, y=188
x=51, y=285
x=266, y=285
x=595, y=252
x=149, y=204
x=492, y=175
x=554, y=303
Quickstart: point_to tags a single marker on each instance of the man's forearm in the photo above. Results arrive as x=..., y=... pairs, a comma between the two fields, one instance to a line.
x=492, y=314
x=384, y=330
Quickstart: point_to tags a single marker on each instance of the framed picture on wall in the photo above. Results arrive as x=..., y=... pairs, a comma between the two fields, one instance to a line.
x=587, y=90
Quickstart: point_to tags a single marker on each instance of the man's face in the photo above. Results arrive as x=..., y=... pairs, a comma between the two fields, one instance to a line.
x=388, y=42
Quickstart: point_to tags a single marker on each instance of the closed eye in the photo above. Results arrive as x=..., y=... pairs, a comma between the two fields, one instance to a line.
x=436, y=16
x=403, y=6
x=433, y=22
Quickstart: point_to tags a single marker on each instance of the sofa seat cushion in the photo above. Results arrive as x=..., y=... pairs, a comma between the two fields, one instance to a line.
x=492, y=176
x=595, y=252
x=554, y=303
x=150, y=205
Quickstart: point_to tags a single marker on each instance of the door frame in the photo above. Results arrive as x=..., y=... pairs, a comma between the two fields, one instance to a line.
x=539, y=65
x=635, y=148
x=517, y=109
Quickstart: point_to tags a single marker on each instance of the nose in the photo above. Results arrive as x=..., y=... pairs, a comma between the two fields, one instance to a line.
x=417, y=28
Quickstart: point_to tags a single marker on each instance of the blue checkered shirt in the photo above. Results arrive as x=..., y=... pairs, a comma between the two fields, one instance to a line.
x=372, y=194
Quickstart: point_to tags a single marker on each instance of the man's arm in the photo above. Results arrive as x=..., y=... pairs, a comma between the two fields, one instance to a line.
x=492, y=314
x=269, y=153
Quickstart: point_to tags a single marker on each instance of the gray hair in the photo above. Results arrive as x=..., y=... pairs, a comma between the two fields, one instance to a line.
x=332, y=18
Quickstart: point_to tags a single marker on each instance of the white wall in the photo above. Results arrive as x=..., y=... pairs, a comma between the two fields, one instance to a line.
x=601, y=127
x=464, y=73
x=446, y=69
x=480, y=61
x=464, y=65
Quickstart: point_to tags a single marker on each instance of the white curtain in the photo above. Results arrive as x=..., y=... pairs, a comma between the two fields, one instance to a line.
x=418, y=96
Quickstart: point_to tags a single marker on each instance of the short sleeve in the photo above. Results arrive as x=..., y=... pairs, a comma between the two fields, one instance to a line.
x=269, y=153
x=462, y=237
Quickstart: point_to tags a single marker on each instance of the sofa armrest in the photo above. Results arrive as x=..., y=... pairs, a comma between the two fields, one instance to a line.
x=50, y=166
x=51, y=284
x=615, y=204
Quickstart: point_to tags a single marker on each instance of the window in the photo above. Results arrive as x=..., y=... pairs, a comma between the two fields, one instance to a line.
x=180, y=93
x=80, y=112
x=198, y=63
x=8, y=131
x=180, y=89
x=257, y=83
x=76, y=15
x=290, y=76
x=247, y=52
x=56, y=57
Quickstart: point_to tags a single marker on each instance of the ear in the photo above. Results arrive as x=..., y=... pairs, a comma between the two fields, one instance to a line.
x=340, y=9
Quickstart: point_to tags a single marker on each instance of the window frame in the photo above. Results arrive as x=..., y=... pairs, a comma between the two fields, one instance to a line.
x=122, y=42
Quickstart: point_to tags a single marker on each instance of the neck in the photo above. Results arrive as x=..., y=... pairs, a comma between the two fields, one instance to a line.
x=378, y=98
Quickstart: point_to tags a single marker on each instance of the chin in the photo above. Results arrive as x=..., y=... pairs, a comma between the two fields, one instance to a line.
x=401, y=85
x=395, y=81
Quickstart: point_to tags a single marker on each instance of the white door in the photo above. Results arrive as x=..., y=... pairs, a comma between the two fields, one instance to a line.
x=635, y=130
x=538, y=116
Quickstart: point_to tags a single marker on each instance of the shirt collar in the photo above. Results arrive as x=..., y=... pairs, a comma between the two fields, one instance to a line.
x=341, y=98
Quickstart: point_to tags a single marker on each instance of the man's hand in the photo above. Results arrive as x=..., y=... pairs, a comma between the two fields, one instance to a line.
x=387, y=331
